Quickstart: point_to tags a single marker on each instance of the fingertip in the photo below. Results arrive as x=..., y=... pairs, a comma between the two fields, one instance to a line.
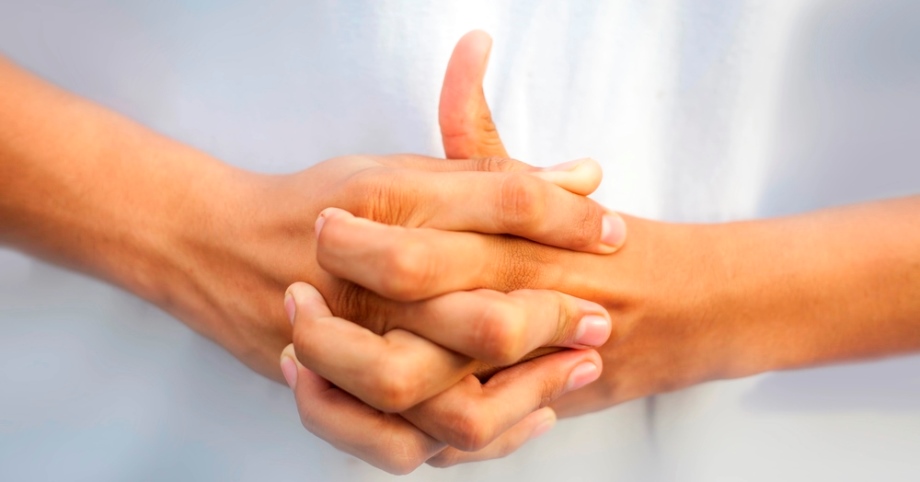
x=289, y=370
x=593, y=330
x=305, y=297
x=478, y=34
x=289, y=366
x=568, y=166
x=290, y=306
x=477, y=40
x=299, y=291
x=325, y=215
x=288, y=352
x=584, y=373
x=613, y=232
x=581, y=176
x=546, y=420
x=592, y=324
x=330, y=213
x=339, y=218
x=596, y=358
x=590, y=307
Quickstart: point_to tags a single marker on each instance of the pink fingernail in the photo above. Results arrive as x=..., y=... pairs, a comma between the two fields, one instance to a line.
x=582, y=375
x=318, y=225
x=289, y=370
x=567, y=166
x=593, y=330
x=613, y=230
x=289, y=306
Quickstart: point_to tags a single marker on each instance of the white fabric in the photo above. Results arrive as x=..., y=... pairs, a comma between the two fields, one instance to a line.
x=700, y=111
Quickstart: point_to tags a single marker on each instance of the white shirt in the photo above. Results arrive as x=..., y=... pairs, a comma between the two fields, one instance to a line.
x=699, y=111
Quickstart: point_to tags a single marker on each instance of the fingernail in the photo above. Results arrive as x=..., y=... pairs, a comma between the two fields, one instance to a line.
x=582, y=375
x=567, y=166
x=320, y=221
x=290, y=306
x=613, y=230
x=289, y=370
x=543, y=426
x=593, y=330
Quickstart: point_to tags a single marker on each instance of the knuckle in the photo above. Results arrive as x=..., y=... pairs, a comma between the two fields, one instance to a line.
x=499, y=164
x=385, y=195
x=549, y=391
x=486, y=124
x=522, y=263
x=303, y=342
x=357, y=304
x=410, y=271
x=395, y=386
x=587, y=229
x=398, y=467
x=402, y=457
x=500, y=332
x=567, y=315
x=549, y=302
x=505, y=450
x=307, y=421
x=522, y=203
x=469, y=430
x=444, y=459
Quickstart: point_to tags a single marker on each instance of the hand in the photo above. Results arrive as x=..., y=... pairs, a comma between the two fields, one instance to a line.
x=216, y=246
x=245, y=246
x=446, y=415
x=647, y=353
x=263, y=233
x=692, y=303
x=421, y=366
x=654, y=287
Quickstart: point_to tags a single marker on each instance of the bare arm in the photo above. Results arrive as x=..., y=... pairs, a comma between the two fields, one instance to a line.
x=217, y=246
x=692, y=303
x=86, y=188
x=745, y=298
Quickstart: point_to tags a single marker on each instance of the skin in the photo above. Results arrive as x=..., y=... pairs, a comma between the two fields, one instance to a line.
x=216, y=246
x=689, y=303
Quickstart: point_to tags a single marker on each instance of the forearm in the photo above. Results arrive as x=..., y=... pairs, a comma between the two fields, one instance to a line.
x=834, y=285
x=693, y=303
x=86, y=188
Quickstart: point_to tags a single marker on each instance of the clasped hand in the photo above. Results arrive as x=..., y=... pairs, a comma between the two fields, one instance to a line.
x=434, y=308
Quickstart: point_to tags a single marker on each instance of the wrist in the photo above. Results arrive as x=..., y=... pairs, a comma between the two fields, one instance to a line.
x=720, y=290
x=666, y=292
x=226, y=257
x=186, y=204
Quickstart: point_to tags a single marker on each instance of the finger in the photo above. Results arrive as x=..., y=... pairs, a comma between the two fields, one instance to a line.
x=390, y=372
x=501, y=328
x=409, y=264
x=581, y=176
x=531, y=427
x=469, y=415
x=406, y=264
x=467, y=129
x=345, y=422
x=519, y=204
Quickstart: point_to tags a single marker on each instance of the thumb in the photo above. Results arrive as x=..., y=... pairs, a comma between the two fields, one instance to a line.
x=467, y=130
